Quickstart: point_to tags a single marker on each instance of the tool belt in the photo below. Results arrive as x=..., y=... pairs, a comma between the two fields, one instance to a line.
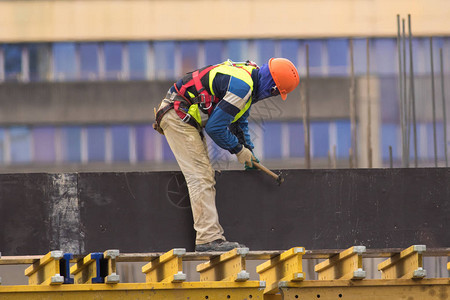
x=181, y=107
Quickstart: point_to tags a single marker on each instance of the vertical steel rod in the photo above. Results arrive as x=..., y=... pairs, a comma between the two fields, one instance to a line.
x=444, y=111
x=413, y=98
x=433, y=103
x=369, y=114
x=406, y=106
x=391, y=163
x=306, y=116
x=354, y=142
x=350, y=158
x=400, y=89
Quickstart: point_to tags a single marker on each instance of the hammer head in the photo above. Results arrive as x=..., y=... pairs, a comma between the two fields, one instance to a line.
x=280, y=179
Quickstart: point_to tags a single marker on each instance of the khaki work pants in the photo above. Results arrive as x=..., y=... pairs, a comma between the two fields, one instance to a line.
x=191, y=154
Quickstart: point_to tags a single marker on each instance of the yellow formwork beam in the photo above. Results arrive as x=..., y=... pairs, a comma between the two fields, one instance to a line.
x=46, y=271
x=345, y=265
x=229, y=266
x=285, y=267
x=367, y=289
x=166, y=268
x=407, y=264
x=96, y=268
x=250, y=290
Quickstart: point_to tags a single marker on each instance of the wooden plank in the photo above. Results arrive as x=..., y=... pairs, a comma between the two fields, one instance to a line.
x=252, y=255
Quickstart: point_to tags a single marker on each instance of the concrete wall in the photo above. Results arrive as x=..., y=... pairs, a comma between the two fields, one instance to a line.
x=50, y=20
x=133, y=102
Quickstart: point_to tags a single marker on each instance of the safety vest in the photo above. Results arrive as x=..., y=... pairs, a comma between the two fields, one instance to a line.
x=198, y=94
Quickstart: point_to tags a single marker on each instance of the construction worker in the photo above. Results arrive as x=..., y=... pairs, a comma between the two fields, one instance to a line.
x=217, y=99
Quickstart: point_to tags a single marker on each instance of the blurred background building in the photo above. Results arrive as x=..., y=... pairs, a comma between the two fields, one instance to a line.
x=79, y=78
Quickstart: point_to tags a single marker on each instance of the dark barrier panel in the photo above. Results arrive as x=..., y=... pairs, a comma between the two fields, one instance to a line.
x=145, y=212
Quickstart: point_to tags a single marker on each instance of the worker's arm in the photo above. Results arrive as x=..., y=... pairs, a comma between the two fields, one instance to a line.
x=241, y=131
x=237, y=94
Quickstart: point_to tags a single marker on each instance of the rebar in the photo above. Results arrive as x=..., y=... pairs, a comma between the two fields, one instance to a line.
x=433, y=103
x=413, y=98
x=444, y=111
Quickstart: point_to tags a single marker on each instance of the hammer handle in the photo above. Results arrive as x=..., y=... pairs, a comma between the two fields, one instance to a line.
x=264, y=169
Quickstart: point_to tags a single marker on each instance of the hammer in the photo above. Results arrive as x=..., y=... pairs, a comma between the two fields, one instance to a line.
x=278, y=178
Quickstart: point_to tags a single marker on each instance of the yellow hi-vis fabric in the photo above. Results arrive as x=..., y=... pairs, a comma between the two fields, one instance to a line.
x=241, y=72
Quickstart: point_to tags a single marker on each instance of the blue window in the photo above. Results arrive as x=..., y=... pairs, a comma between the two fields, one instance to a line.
x=121, y=143
x=337, y=50
x=71, y=143
x=213, y=52
x=113, y=60
x=385, y=56
x=389, y=138
x=145, y=139
x=189, y=56
x=296, y=140
x=164, y=60
x=272, y=140
x=44, y=144
x=320, y=139
x=266, y=50
x=89, y=61
x=360, y=56
x=315, y=56
x=167, y=152
x=389, y=102
x=13, y=62
x=96, y=143
x=289, y=50
x=39, y=62
x=237, y=50
x=343, y=138
x=64, y=61
x=20, y=144
x=137, y=52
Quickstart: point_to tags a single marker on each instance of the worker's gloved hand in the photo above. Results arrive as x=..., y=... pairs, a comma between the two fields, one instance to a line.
x=245, y=156
x=252, y=167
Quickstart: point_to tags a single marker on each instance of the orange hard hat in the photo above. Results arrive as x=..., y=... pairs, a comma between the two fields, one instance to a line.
x=284, y=74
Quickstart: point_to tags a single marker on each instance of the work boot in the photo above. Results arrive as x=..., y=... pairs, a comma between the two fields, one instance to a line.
x=218, y=245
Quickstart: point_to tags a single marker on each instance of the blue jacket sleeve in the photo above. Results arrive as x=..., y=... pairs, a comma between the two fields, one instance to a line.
x=236, y=95
x=217, y=129
x=243, y=124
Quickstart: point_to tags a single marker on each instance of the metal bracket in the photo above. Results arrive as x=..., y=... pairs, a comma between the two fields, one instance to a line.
x=110, y=257
x=96, y=267
x=46, y=271
x=229, y=266
x=285, y=267
x=345, y=265
x=166, y=268
x=407, y=264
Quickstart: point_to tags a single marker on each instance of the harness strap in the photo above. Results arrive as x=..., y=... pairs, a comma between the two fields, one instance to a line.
x=177, y=106
x=204, y=96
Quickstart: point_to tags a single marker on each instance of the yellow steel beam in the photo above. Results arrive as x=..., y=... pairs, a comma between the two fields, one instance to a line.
x=406, y=264
x=367, y=289
x=156, y=291
x=46, y=270
x=229, y=266
x=345, y=265
x=87, y=270
x=285, y=267
x=166, y=268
